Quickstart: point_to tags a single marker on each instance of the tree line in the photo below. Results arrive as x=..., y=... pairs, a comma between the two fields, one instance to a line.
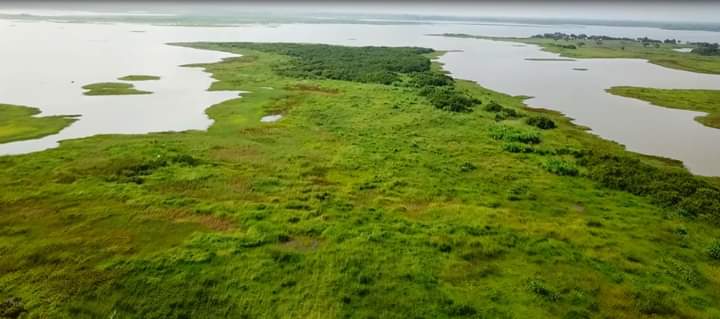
x=408, y=66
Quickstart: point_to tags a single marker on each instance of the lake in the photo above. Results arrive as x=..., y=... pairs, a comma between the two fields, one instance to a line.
x=38, y=72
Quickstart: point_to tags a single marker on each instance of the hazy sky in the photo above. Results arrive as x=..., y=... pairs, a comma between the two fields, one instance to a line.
x=707, y=11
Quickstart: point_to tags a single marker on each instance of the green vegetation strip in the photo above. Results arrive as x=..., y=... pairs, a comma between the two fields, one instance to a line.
x=372, y=198
x=694, y=100
x=139, y=78
x=19, y=123
x=656, y=52
x=112, y=88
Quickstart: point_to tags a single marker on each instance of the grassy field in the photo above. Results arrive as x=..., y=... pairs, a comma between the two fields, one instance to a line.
x=368, y=200
x=112, y=88
x=662, y=55
x=139, y=78
x=19, y=123
x=694, y=100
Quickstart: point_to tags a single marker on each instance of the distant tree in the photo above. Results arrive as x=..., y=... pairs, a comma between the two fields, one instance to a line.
x=704, y=48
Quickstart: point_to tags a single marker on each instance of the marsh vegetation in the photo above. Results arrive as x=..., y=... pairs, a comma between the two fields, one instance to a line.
x=21, y=123
x=112, y=88
x=367, y=199
x=138, y=77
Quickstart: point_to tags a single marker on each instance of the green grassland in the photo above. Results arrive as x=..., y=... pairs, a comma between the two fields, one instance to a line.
x=112, y=88
x=19, y=123
x=372, y=198
x=137, y=77
x=662, y=54
x=685, y=99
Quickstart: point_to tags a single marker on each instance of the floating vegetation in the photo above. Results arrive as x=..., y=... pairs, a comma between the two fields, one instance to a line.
x=112, y=88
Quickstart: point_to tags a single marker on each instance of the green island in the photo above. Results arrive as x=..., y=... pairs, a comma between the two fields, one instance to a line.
x=685, y=99
x=389, y=190
x=704, y=57
x=112, y=88
x=136, y=77
x=20, y=123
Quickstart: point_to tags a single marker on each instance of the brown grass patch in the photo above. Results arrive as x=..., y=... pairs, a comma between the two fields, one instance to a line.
x=313, y=88
x=302, y=243
x=209, y=221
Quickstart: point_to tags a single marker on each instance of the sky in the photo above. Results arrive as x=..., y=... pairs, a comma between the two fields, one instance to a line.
x=685, y=11
x=614, y=10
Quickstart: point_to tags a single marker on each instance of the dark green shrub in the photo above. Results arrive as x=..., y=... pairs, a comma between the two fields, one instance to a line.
x=506, y=114
x=671, y=188
x=703, y=200
x=284, y=257
x=461, y=310
x=714, y=250
x=654, y=302
x=467, y=166
x=502, y=112
x=493, y=107
x=513, y=134
x=594, y=223
x=514, y=147
x=449, y=99
x=560, y=167
x=541, y=122
x=509, y=113
x=539, y=288
x=423, y=79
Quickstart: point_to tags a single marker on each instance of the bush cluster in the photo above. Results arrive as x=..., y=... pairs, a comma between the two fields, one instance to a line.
x=382, y=65
x=448, y=98
x=366, y=64
x=676, y=189
x=541, y=122
x=514, y=134
x=425, y=79
x=707, y=49
x=501, y=112
x=514, y=147
x=561, y=167
x=714, y=250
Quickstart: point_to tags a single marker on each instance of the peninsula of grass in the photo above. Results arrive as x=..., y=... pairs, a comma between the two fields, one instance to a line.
x=389, y=190
x=707, y=101
x=20, y=123
x=656, y=52
x=112, y=88
x=139, y=78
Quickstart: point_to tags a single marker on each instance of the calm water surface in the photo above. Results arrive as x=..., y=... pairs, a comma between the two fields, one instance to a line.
x=40, y=74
